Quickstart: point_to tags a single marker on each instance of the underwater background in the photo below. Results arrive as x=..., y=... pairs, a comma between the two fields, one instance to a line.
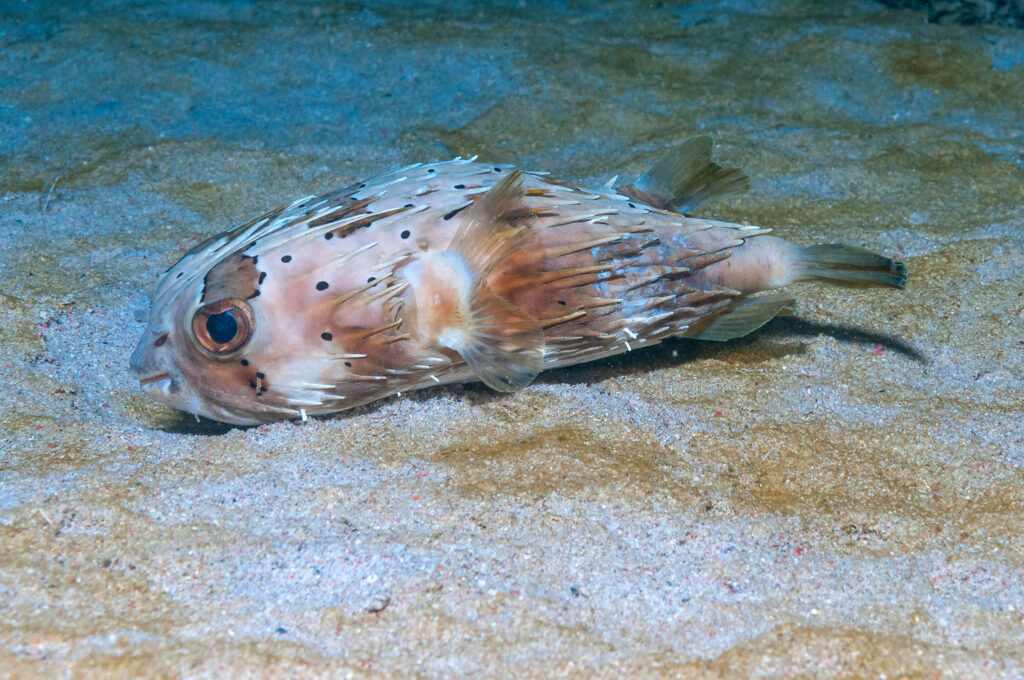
x=840, y=494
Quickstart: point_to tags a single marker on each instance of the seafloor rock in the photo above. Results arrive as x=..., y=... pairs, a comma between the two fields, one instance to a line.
x=838, y=495
x=967, y=12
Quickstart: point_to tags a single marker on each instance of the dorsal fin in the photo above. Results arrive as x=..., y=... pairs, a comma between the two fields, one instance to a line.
x=686, y=178
x=503, y=345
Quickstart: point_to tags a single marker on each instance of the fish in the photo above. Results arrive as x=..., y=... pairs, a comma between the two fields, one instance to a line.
x=460, y=271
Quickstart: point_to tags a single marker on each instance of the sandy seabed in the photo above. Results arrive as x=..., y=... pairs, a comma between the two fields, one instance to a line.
x=840, y=494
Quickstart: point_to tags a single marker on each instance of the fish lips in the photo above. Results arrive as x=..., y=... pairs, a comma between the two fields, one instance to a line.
x=154, y=379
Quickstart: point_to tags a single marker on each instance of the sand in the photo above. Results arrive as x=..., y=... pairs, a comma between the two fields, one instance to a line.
x=840, y=494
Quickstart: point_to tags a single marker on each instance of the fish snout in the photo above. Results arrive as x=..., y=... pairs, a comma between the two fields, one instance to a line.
x=144, y=364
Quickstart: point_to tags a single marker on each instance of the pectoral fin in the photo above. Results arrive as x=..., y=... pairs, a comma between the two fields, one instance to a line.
x=495, y=226
x=502, y=344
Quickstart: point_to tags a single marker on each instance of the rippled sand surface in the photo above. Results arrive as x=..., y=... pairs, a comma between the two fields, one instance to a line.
x=838, y=495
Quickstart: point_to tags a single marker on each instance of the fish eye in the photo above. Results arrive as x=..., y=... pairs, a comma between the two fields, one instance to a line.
x=224, y=326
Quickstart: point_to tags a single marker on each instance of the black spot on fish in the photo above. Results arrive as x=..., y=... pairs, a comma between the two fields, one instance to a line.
x=328, y=236
x=406, y=234
x=286, y=258
x=408, y=205
x=371, y=279
x=631, y=205
x=179, y=275
x=260, y=375
x=460, y=186
x=321, y=285
x=431, y=170
x=255, y=293
x=497, y=169
x=244, y=362
x=455, y=212
x=349, y=364
x=327, y=336
x=561, y=302
x=263, y=275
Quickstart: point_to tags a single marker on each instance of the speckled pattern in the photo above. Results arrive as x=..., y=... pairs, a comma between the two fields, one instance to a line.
x=838, y=495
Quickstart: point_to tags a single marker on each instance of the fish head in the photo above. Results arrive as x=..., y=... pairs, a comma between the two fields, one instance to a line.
x=191, y=354
x=211, y=341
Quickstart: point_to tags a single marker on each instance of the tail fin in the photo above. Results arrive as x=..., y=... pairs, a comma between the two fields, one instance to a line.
x=848, y=266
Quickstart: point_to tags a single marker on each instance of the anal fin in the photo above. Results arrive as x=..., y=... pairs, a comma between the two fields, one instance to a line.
x=743, y=318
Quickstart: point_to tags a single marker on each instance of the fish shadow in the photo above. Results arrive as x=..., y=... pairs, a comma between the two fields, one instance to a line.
x=769, y=339
x=790, y=325
x=187, y=424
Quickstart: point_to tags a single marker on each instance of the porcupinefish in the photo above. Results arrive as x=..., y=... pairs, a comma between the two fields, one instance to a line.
x=459, y=271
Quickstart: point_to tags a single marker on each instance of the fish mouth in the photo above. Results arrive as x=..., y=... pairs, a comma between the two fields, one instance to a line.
x=154, y=378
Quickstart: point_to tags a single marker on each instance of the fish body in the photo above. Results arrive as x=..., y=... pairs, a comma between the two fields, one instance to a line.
x=459, y=271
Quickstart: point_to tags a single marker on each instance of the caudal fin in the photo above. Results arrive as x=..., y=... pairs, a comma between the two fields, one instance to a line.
x=848, y=266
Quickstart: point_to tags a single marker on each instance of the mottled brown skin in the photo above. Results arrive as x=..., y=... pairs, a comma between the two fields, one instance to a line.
x=648, y=264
